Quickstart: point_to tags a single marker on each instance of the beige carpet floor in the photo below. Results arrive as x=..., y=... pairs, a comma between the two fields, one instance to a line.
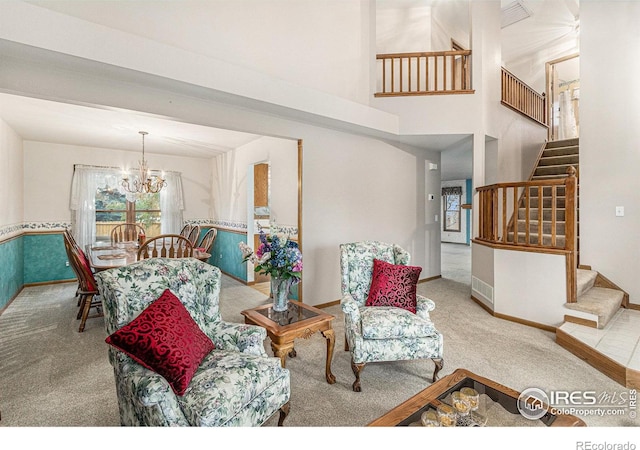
x=53, y=376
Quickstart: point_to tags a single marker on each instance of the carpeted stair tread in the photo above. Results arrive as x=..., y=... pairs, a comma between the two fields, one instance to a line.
x=603, y=302
x=585, y=280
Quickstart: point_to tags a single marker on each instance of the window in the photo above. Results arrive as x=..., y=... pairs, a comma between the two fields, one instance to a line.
x=113, y=208
x=97, y=205
x=451, y=197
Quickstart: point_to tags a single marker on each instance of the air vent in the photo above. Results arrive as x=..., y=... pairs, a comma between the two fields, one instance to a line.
x=514, y=12
x=482, y=289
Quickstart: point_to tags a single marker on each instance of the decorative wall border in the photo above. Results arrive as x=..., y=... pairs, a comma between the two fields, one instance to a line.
x=239, y=226
x=10, y=231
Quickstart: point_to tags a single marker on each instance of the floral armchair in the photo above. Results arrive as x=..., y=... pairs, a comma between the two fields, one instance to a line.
x=236, y=384
x=382, y=333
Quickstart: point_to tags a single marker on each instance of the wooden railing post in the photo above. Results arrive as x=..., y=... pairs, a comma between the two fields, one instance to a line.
x=570, y=190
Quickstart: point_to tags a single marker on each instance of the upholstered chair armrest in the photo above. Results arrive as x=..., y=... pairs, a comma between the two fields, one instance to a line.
x=238, y=337
x=350, y=308
x=151, y=392
x=424, y=305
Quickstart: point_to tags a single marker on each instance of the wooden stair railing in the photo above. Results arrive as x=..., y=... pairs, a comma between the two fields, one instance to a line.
x=424, y=73
x=499, y=201
x=517, y=95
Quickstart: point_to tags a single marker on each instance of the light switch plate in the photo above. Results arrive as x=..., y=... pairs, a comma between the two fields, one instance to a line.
x=619, y=211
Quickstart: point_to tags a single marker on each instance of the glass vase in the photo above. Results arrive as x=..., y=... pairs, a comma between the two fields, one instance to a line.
x=280, y=288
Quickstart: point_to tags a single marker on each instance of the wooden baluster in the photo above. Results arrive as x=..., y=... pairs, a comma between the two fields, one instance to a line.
x=526, y=214
x=435, y=73
x=384, y=75
x=553, y=215
x=540, y=214
x=444, y=72
x=418, y=74
x=453, y=72
x=516, y=210
x=409, y=70
x=426, y=76
x=481, y=213
x=504, y=214
x=494, y=218
x=401, y=77
x=393, y=67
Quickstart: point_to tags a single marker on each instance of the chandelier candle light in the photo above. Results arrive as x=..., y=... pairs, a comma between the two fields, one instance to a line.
x=143, y=182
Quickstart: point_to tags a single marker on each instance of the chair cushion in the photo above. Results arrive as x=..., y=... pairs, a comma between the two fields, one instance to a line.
x=165, y=338
x=393, y=285
x=388, y=322
x=225, y=383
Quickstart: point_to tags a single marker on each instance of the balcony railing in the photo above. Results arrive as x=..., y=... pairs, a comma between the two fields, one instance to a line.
x=424, y=73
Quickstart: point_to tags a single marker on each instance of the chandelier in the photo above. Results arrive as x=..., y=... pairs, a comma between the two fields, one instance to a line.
x=143, y=182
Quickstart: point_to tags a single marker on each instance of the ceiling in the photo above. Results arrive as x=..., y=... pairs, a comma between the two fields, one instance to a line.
x=65, y=123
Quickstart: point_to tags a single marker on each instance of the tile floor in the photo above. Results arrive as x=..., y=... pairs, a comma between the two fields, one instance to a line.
x=619, y=339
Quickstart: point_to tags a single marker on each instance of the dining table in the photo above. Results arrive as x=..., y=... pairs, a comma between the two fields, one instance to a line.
x=103, y=255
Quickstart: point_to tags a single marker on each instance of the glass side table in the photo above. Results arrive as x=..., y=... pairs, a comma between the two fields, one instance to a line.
x=298, y=321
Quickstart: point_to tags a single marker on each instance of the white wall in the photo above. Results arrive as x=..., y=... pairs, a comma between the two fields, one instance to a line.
x=355, y=189
x=450, y=20
x=330, y=36
x=519, y=146
x=11, y=176
x=403, y=27
x=609, y=151
x=230, y=180
x=49, y=170
x=530, y=286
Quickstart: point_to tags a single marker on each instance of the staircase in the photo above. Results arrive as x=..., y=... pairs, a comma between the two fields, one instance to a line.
x=596, y=305
x=594, y=323
x=599, y=331
x=554, y=162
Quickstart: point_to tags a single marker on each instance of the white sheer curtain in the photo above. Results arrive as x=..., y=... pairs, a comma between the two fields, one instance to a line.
x=171, y=204
x=84, y=185
x=568, y=127
x=87, y=180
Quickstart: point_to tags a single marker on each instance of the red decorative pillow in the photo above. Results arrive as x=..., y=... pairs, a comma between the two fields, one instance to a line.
x=87, y=268
x=165, y=338
x=393, y=285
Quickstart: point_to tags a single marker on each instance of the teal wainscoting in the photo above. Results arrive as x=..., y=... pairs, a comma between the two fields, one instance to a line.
x=45, y=259
x=11, y=269
x=226, y=255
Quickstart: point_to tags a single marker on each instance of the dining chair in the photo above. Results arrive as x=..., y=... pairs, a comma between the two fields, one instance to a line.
x=87, y=291
x=194, y=234
x=185, y=230
x=69, y=246
x=126, y=232
x=166, y=246
x=207, y=240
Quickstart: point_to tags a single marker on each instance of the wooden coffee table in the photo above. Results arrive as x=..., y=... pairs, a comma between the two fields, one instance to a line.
x=410, y=411
x=299, y=321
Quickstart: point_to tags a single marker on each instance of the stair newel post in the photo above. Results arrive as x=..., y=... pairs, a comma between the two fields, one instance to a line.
x=571, y=233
